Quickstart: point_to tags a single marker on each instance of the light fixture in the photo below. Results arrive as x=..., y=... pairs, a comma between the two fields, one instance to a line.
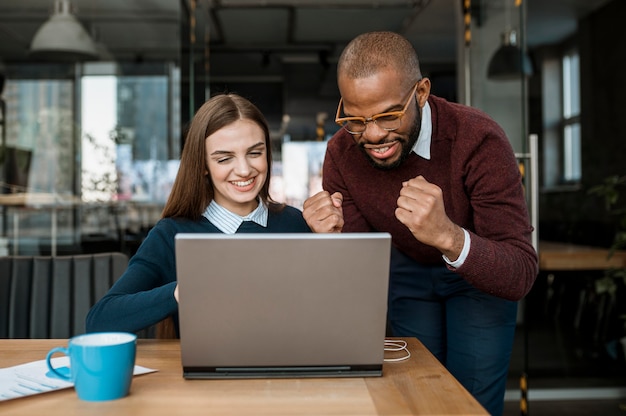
x=62, y=37
x=511, y=60
x=102, y=51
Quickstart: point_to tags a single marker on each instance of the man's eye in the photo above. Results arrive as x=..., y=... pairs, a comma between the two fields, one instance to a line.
x=387, y=118
x=355, y=123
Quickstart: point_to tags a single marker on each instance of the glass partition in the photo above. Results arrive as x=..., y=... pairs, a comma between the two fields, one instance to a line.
x=89, y=150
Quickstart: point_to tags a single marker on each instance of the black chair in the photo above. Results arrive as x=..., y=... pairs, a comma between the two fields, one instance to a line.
x=49, y=296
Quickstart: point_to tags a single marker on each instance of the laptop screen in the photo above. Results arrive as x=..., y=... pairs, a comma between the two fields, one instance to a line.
x=265, y=305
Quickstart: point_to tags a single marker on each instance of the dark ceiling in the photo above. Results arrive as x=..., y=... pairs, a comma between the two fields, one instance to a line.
x=279, y=42
x=293, y=29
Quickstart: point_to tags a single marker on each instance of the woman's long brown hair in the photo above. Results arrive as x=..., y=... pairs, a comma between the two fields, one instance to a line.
x=192, y=191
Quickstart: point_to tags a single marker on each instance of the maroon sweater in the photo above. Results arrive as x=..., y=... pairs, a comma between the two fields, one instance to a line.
x=474, y=164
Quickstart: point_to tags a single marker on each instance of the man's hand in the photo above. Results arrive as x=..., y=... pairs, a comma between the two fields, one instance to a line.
x=323, y=212
x=421, y=209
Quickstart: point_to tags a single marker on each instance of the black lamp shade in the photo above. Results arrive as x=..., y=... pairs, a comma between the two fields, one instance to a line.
x=509, y=63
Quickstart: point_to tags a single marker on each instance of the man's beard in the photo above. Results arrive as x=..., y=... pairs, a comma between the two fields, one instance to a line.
x=406, y=146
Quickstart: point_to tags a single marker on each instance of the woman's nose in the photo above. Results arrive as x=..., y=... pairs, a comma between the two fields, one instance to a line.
x=242, y=167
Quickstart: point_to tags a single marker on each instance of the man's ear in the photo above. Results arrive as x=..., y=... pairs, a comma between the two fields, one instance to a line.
x=423, y=91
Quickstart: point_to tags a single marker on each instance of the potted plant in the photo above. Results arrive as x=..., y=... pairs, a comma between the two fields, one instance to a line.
x=613, y=284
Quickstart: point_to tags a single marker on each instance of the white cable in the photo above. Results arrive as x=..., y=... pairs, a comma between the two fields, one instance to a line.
x=395, y=345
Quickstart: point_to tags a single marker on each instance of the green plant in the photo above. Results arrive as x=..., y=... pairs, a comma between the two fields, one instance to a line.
x=615, y=205
x=612, y=191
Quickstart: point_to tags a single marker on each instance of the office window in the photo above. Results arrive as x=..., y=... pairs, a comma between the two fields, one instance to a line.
x=571, y=168
x=78, y=135
x=130, y=139
x=37, y=160
x=40, y=133
x=561, y=103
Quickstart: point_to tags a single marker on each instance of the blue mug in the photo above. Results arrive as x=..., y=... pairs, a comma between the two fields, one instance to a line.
x=101, y=364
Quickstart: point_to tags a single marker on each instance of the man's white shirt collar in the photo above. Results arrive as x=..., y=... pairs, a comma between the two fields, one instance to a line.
x=422, y=146
x=228, y=222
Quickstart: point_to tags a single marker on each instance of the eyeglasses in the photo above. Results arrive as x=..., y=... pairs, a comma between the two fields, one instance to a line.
x=387, y=121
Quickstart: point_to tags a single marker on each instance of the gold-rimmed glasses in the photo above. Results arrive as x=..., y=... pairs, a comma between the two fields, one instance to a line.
x=389, y=121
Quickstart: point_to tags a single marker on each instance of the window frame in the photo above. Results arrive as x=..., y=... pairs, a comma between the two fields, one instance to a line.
x=571, y=168
x=561, y=165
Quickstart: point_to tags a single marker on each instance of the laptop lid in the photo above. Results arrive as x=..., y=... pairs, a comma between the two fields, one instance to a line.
x=282, y=305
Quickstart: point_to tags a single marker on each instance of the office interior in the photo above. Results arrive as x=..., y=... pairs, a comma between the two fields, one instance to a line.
x=91, y=140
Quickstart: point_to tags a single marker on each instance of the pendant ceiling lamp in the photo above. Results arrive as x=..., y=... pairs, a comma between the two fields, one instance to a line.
x=62, y=37
x=511, y=60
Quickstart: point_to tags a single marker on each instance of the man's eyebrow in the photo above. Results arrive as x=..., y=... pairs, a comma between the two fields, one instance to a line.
x=392, y=109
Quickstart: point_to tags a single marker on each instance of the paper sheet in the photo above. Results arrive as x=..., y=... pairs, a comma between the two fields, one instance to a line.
x=35, y=378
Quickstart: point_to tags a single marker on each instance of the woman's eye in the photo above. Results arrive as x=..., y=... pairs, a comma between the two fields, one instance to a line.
x=223, y=159
x=256, y=153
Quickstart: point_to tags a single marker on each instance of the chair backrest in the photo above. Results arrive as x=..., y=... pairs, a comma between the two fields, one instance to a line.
x=49, y=296
x=164, y=329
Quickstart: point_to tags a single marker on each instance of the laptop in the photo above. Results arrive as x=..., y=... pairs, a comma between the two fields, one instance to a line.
x=282, y=305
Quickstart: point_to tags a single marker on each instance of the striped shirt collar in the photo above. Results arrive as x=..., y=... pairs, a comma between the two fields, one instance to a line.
x=228, y=222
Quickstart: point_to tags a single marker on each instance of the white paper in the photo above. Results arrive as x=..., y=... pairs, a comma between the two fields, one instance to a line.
x=32, y=378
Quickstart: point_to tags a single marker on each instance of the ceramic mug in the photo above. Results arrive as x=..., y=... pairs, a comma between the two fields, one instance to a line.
x=101, y=364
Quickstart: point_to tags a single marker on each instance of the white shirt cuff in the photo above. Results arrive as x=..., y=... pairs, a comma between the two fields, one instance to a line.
x=464, y=252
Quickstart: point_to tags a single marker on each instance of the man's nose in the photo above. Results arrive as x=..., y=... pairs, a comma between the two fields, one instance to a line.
x=373, y=132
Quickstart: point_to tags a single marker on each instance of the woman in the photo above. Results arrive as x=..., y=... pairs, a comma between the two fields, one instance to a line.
x=222, y=186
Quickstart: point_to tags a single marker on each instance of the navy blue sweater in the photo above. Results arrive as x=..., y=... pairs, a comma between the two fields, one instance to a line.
x=144, y=294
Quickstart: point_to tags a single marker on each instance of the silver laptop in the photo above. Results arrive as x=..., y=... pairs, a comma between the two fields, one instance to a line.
x=282, y=305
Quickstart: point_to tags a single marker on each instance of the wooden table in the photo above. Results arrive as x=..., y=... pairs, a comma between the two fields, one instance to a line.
x=564, y=264
x=417, y=386
x=572, y=257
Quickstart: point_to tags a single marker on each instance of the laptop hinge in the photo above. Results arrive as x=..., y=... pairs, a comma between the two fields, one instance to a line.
x=282, y=372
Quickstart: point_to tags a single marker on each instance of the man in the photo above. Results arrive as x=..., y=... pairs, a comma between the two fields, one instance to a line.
x=442, y=178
